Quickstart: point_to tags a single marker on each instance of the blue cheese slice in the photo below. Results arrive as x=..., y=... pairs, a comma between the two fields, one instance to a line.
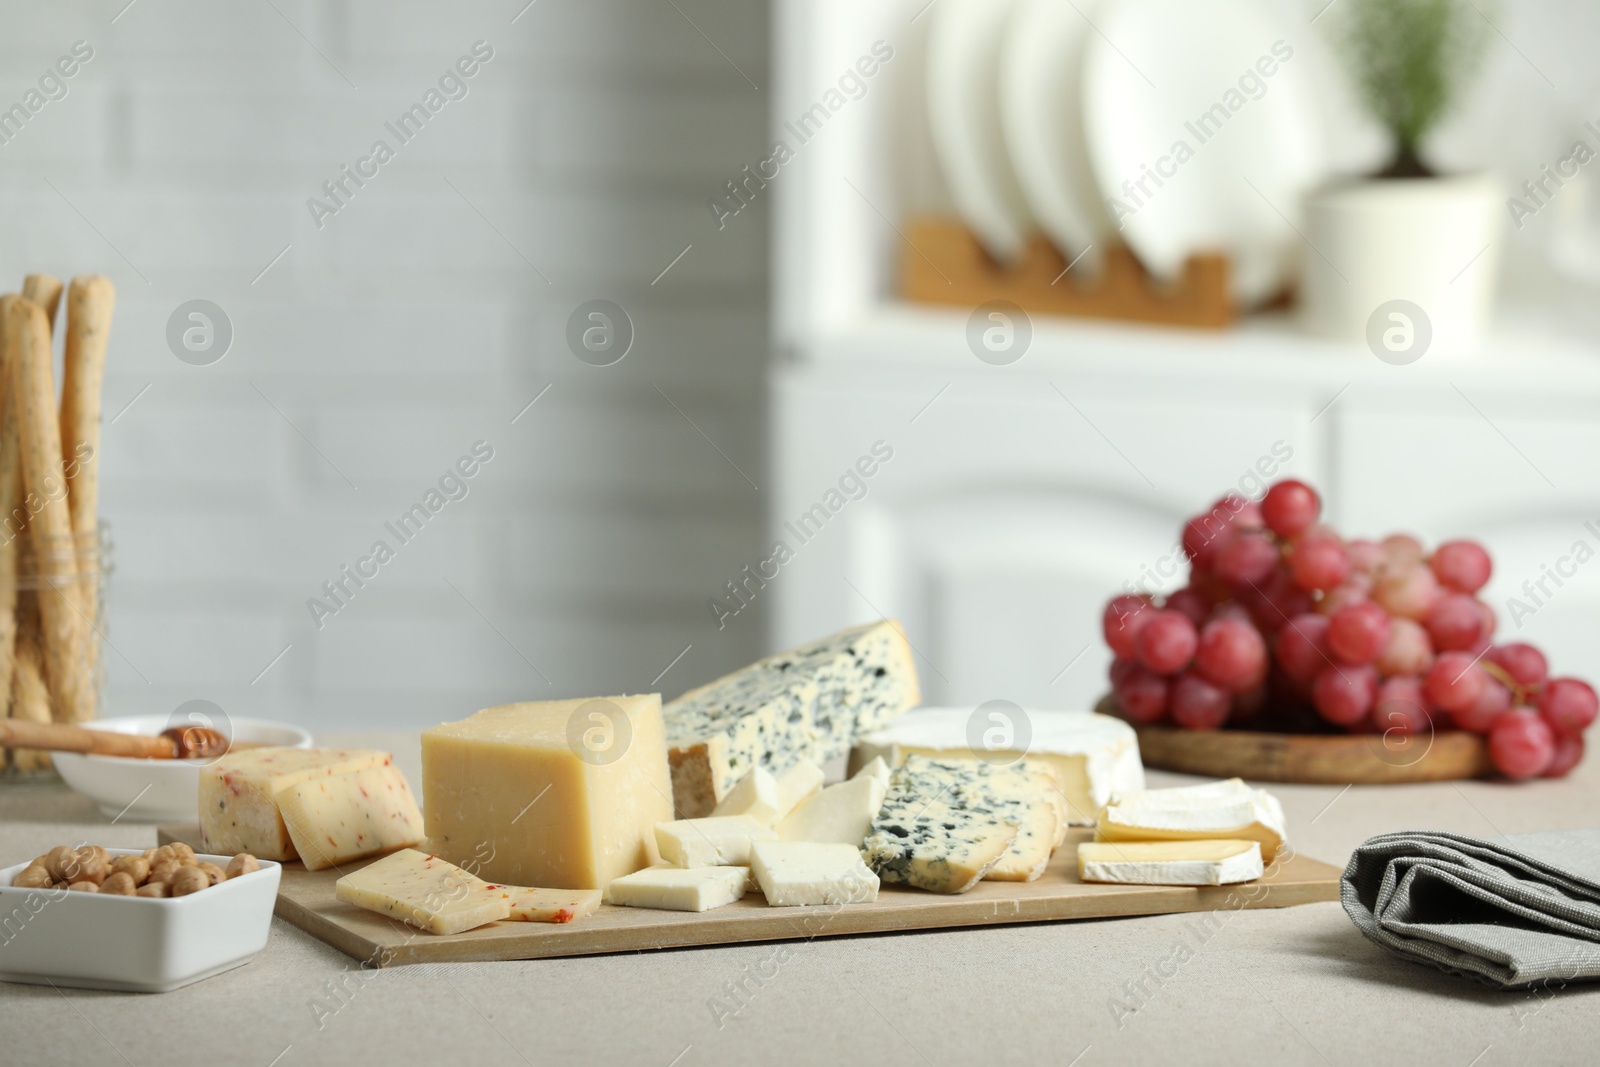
x=926, y=836
x=809, y=703
x=1095, y=756
x=1026, y=794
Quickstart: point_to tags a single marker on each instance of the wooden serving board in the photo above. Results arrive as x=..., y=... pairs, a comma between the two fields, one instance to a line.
x=306, y=899
x=1312, y=759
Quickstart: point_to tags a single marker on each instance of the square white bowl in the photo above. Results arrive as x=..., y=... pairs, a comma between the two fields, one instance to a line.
x=133, y=944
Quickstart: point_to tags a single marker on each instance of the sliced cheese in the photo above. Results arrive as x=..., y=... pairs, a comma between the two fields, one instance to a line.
x=1095, y=756
x=422, y=891
x=239, y=794
x=715, y=841
x=1226, y=809
x=874, y=768
x=530, y=905
x=563, y=793
x=809, y=703
x=797, y=784
x=756, y=795
x=1170, y=862
x=840, y=813
x=333, y=819
x=679, y=889
x=924, y=835
x=1026, y=794
x=799, y=873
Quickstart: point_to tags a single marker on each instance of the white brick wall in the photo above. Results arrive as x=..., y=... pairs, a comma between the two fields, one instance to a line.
x=404, y=330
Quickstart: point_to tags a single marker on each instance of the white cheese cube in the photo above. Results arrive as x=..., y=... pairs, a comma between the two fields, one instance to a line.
x=756, y=795
x=874, y=768
x=679, y=889
x=799, y=873
x=798, y=784
x=715, y=841
x=1170, y=862
x=840, y=813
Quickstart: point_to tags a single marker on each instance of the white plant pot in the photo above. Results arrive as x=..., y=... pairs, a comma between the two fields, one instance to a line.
x=1403, y=265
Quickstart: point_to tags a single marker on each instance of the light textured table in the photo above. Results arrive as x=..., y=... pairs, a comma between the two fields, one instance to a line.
x=1297, y=985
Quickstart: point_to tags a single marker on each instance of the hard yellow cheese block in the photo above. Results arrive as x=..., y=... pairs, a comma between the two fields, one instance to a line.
x=239, y=791
x=423, y=891
x=341, y=817
x=561, y=793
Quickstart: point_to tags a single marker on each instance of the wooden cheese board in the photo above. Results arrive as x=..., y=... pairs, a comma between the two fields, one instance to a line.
x=1312, y=759
x=306, y=899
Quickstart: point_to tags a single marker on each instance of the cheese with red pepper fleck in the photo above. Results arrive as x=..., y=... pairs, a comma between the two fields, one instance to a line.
x=546, y=905
x=424, y=891
x=341, y=817
x=238, y=794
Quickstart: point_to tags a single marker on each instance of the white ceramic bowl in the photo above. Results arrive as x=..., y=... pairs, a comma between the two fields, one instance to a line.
x=152, y=790
x=133, y=944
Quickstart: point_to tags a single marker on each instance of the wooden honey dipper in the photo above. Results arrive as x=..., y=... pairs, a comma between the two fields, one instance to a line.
x=177, y=742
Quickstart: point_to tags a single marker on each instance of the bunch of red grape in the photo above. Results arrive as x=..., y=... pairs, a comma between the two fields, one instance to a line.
x=1286, y=625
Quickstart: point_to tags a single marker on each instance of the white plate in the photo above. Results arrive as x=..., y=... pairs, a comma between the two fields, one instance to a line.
x=1153, y=74
x=1041, y=105
x=153, y=790
x=963, y=84
x=136, y=944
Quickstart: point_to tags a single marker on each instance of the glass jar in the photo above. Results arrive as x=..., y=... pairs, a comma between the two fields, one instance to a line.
x=53, y=624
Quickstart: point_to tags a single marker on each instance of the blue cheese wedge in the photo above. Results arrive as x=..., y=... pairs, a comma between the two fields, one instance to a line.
x=809, y=703
x=800, y=873
x=1216, y=810
x=1170, y=862
x=927, y=836
x=1095, y=756
x=679, y=889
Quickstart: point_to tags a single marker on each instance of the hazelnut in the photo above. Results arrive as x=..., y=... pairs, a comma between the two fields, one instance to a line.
x=56, y=860
x=85, y=887
x=135, y=867
x=164, y=870
x=181, y=852
x=34, y=876
x=120, y=884
x=188, y=880
x=89, y=866
x=243, y=863
x=153, y=889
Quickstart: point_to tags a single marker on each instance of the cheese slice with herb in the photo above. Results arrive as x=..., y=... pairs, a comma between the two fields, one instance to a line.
x=1170, y=862
x=800, y=873
x=679, y=888
x=925, y=836
x=1095, y=756
x=333, y=819
x=529, y=905
x=1215, y=810
x=424, y=891
x=809, y=703
x=715, y=841
x=239, y=795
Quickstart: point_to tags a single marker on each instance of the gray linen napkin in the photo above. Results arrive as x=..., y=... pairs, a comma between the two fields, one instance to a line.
x=1520, y=911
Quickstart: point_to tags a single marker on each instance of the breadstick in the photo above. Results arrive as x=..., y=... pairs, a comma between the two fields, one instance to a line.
x=31, y=702
x=10, y=472
x=90, y=302
x=44, y=290
x=50, y=521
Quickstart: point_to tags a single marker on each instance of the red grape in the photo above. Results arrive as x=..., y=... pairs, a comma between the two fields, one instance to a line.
x=1242, y=514
x=1401, y=707
x=1166, y=643
x=1526, y=664
x=1245, y=559
x=1486, y=613
x=1454, y=682
x=1142, y=695
x=1303, y=648
x=1521, y=744
x=1407, y=651
x=1454, y=622
x=1569, y=752
x=1462, y=565
x=1289, y=507
x=1400, y=549
x=1365, y=556
x=1493, y=702
x=1568, y=705
x=1120, y=669
x=1124, y=617
x=1355, y=590
x=1197, y=704
x=1408, y=590
x=1231, y=654
x=1318, y=562
x=1201, y=536
x=1278, y=601
x=1344, y=695
x=1357, y=632
x=1190, y=603
x=1248, y=705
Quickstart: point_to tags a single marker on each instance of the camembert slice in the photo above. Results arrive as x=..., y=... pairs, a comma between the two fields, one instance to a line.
x=1215, y=810
x=424, y=891
x=1170, y=862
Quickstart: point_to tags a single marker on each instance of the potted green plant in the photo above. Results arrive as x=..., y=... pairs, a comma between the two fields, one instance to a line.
x=1405, y=259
